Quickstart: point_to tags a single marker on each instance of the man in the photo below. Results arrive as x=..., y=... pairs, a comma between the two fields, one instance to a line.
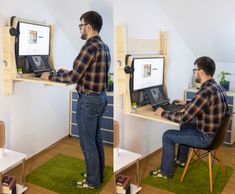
x=90, y=73
x=208, y=107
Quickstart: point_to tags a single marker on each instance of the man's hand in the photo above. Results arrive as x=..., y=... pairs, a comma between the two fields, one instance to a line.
x=45, y=76
x=179, y=102
x=159, y=111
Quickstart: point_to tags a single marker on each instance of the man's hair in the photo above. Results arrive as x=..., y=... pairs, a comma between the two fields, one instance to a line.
x=94, y=19
x=206, y=64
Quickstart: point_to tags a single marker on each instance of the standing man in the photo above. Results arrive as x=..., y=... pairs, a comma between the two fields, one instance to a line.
x=90, y=73
x=208, y=107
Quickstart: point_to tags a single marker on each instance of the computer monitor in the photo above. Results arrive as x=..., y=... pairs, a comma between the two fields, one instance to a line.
x=148, y=72
x=34, y=39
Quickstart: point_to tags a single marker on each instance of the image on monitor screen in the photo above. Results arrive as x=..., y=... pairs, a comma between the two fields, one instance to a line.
x=148, y=72
x=34, y=39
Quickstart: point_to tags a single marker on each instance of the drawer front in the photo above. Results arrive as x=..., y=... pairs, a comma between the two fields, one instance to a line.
x=110, y=99
x=74, y=130
x=107, y=123
x=107, y=136
x=75, y=95
x=74, y=117
x=230, y=100
x=108, y=111
x=74, y=105
x=228, y=137
x=230, y=109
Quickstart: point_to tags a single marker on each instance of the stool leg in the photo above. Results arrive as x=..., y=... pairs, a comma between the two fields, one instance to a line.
x=187, y=164
x=210, y=171
x=218, y=155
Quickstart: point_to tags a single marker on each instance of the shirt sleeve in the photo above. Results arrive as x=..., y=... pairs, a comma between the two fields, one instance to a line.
x=80, y=65
x=191, y=110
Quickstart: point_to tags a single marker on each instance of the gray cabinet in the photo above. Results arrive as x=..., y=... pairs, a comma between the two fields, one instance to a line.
x=230, y=135
x=106, y=124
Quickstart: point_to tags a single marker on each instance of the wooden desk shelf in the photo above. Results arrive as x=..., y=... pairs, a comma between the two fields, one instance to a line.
x=32, y=79
x=146, y=112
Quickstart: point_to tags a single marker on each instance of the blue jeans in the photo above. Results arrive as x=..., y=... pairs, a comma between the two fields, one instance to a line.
x=187, y=136
x=90, y=109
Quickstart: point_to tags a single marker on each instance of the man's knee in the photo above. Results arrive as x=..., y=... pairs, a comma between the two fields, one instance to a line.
x=167, y=134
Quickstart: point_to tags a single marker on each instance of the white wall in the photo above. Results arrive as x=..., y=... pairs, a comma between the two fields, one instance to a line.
x=206, y=26
x=36, y=115
x=140, y=135
x=105, y=8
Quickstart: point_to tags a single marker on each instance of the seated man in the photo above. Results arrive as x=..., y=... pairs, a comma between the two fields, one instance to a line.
x=208, y=107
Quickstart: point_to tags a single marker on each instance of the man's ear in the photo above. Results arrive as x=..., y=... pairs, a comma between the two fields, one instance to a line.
x=89, y=27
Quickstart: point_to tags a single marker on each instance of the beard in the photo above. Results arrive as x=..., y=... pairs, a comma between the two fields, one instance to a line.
x=198, y=80
x=84, y=36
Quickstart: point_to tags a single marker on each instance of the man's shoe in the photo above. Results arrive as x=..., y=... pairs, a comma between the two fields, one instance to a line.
x=84, y=184
x=157, y=173
x=83, y=174
x=181, y=164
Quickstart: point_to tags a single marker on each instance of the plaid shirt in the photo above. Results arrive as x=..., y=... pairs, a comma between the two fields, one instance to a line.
x=208, y=106
x=90, y=68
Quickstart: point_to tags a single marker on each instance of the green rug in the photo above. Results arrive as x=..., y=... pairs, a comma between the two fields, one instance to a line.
x=60, y=174
x=196, y=180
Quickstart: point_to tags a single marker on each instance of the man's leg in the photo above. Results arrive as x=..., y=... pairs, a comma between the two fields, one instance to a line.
x=190, y=137
x=91, y=108
x=99, y=143
x=182, y=154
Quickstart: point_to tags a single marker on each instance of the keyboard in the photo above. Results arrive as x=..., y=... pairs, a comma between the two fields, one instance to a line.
x=171, y=107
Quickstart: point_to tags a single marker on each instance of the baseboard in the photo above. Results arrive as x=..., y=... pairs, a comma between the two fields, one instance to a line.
x=35, y=156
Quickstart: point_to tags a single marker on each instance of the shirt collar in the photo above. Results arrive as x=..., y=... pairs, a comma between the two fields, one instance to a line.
x=93, y=38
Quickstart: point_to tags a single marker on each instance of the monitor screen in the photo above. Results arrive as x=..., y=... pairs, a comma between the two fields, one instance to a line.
x=34, y=39
x=148, y=72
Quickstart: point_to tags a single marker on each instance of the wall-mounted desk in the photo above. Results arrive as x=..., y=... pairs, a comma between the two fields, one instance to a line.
x=146, y=112
x=31, y=78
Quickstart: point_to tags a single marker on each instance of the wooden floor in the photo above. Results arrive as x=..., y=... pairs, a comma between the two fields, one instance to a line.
x=153, y=161
x=67, y=146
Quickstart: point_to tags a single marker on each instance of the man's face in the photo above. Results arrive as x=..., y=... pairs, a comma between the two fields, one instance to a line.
x=197, y=74
x=83, y=29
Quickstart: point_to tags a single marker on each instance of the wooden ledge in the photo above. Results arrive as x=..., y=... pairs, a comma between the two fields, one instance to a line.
x=31, y=78
x=146, y=112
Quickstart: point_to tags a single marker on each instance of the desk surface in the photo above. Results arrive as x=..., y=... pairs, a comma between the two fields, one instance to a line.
x=146, y=112
x=32, y=78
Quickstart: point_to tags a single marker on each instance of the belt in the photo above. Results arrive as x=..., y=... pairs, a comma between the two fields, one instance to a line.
x=90, y=93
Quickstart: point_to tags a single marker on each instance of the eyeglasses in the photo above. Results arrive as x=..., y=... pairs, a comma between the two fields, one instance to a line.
x=194, y=70
x=80, y=25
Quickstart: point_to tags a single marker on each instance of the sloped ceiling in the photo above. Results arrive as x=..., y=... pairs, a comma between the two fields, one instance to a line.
x=67, y=14
x=207, y=26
